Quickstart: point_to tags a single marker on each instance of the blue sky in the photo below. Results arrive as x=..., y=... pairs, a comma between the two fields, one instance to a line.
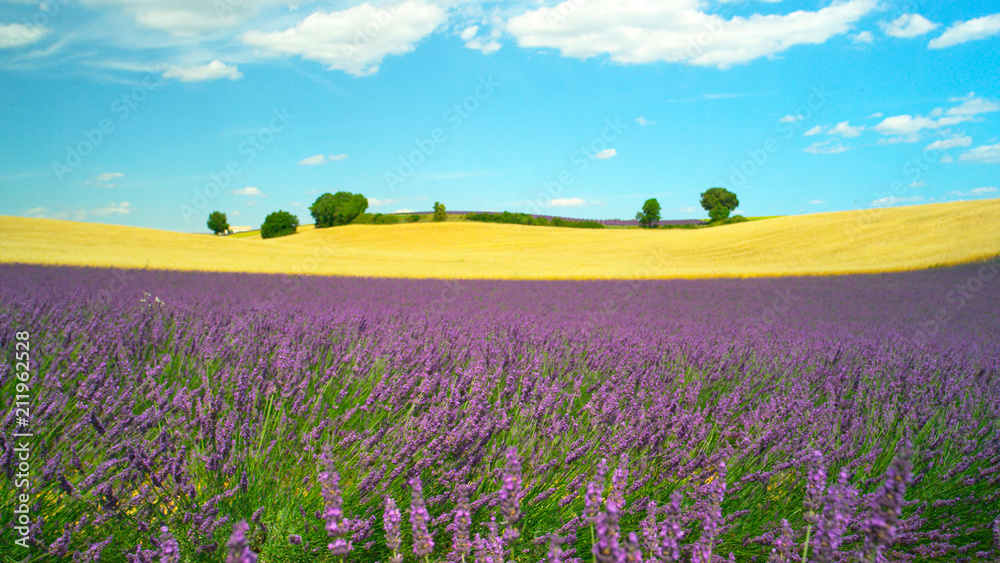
x=148, y=113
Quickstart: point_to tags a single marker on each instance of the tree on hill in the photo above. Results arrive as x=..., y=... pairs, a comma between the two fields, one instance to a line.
x=439, y=212
x=650, y=214
x=279, y=224
x=719, y=202
x=330, y=210
x=218, y=223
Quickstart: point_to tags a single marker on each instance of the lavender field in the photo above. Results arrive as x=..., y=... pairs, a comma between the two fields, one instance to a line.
x=225, y=417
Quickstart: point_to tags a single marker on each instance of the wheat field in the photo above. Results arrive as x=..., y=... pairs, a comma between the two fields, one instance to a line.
x=880, y=240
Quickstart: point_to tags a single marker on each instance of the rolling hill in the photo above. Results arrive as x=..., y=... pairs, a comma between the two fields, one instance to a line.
x=879, y=240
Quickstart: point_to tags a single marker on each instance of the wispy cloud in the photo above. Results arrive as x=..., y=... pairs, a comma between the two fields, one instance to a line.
x=909, y=25
x=201, y=73
x=606, y=154
x=986, y=153
x=896, y=200
x=826, y=147
x=971, y=30
x=320, y=159
x=249, y=191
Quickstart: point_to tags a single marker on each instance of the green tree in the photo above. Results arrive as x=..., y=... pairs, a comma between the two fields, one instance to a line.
x=650, y=214
x=217, y=222
x=439, y=212
x=718, y=213
x=279, y=224
x=714, y=197
x=330, y=210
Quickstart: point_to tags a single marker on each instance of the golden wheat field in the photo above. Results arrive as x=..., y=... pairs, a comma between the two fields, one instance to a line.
x=881, y=240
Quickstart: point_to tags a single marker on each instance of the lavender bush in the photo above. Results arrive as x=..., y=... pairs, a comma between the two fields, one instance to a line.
x=184, y=416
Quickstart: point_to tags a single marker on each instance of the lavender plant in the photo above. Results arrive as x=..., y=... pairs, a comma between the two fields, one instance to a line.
x=197, y=412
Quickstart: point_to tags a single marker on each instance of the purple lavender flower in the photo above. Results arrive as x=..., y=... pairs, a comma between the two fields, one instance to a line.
x=815, y=486
x=592, y=498
x=996, y=534
x=880, y=527
x=606, y=547
x=391, y=523
x=633, y=554
x=423, y=543
x=619, y=479
x=671, y=532
x=60, y=547
x=702, y=552
x=239, y=551
x=833, y=521
x=295, y=539
x=651, y=534
x=510, y=496
x=170, y=552
x=333, y=512
x=555, y=554
x=783, y=544
x=462, y=522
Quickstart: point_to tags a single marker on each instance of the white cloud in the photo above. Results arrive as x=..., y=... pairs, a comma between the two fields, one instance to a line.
x=896, y=200
x=985, y=153
x=690, y=209
x=487, y=43
x=844, y=129
x=108, y=176
x=876, y=115
x=863, y=37
x=947, y=159
x=568, y=202
x=606, y=154
x=956, y=141
x=791, y=119
x=18, y=35
x=318, y=159
x=645, y=31
x=907, y=138
x=123, y=208
x=907, y=124
x=915, y=185
x=909, y=25
x=314, y=160
x=643, y=121
x=469, y=32
x=986, y=191
x=814, y=131
x=185, y=18
x=817, y=202
x=376, y=202
x=826, y=147
x=354, y=40
x=974, y=106
x=35, y=211
x=199, y=73
x=972, y=30
x=249, y=191
x=403, y=210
